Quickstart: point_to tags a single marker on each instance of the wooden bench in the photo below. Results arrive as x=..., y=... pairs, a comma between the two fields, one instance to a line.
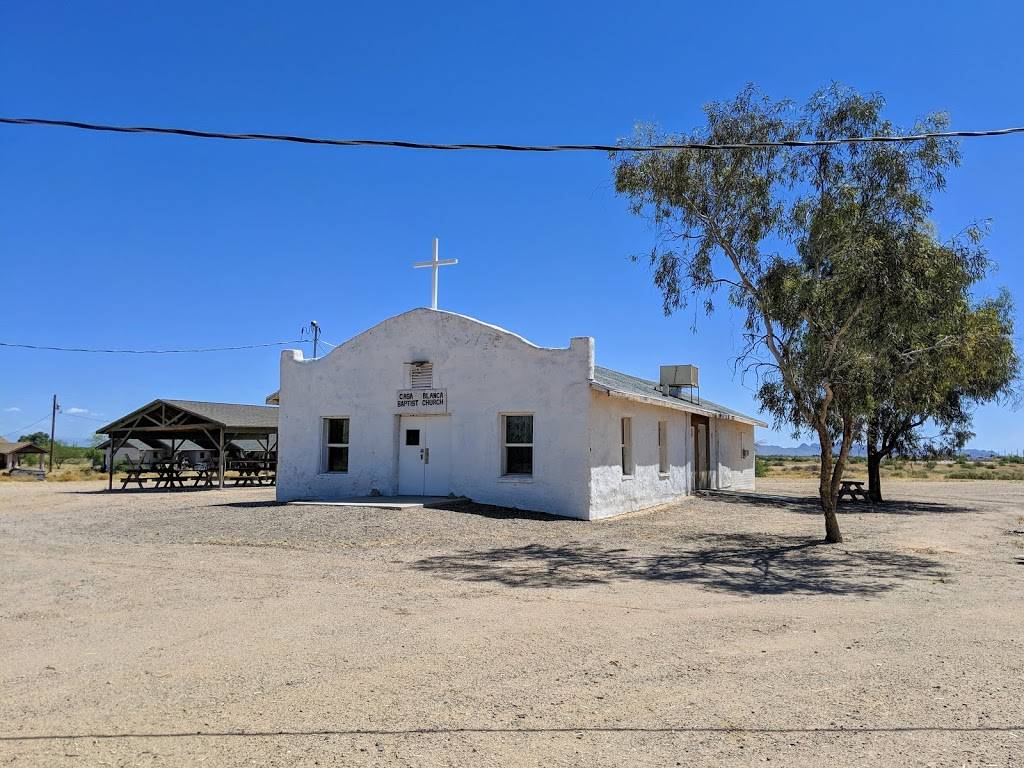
x=852, y=488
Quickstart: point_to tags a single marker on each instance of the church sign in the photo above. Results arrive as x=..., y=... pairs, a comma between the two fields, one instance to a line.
x=420, y=401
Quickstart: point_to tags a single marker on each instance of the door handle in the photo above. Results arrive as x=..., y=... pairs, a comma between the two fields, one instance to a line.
x=426, y=455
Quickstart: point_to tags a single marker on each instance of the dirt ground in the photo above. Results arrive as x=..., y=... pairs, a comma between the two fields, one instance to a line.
x=220, y=628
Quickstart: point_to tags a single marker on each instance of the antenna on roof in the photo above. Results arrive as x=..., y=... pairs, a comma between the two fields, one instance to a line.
x=313, y=328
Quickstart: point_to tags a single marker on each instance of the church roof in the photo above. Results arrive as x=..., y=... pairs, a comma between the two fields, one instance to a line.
x=619, y=383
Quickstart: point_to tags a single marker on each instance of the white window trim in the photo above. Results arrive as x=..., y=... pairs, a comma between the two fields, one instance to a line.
x=626, y=447
x=324, y=445
x=506, y=476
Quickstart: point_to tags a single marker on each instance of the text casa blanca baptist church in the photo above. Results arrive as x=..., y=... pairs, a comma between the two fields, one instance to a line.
x=435, y=403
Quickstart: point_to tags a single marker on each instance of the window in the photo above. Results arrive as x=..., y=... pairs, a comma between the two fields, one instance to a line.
x=663, y=465
x=517, y=444
x=336, y=445
x=421, y=376
x=627, y=445
x=412, y=437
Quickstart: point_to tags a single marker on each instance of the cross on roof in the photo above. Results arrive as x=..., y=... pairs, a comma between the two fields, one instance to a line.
x=434, y=264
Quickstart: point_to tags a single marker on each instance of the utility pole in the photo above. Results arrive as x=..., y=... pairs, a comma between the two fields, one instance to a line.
x=316, y=335
x=53, y=429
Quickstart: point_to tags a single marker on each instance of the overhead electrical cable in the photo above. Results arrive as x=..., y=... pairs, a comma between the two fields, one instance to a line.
x=82, y=416
x=392, y=143
x=152, y=351
x=28, y=426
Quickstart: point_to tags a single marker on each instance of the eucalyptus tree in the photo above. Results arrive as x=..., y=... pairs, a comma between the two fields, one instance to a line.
x=953, y=353
x=805, y=241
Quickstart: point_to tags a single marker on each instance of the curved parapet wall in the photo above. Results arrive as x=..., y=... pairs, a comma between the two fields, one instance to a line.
x=483, y=370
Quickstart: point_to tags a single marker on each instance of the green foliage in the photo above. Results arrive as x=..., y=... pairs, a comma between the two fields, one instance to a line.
x=760, y=467
x=39, y=439
x=829, y=252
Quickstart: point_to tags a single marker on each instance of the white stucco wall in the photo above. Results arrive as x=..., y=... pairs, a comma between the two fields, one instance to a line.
x=486, y=371
x=735, y=471
x=611, y=493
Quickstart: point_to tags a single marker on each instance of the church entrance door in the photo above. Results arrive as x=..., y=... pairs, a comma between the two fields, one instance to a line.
x=424, y=456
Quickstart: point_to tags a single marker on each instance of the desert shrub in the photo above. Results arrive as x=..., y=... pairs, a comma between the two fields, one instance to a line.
x=760, y=467
x=79, y=472
x=973, y=474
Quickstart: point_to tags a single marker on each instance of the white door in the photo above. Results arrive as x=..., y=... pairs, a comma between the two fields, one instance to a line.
x=424, y=456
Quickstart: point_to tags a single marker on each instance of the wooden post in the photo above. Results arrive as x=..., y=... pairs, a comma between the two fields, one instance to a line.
x=53, y=429
x=110, y=463
x=221, y=458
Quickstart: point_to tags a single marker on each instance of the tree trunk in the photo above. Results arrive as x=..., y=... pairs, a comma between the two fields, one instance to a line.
x=874, y=474
x=832, y=532
x=826, y=496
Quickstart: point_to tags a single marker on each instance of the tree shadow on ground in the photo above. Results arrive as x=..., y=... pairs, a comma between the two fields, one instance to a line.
x=809, y=504
x=740, y=563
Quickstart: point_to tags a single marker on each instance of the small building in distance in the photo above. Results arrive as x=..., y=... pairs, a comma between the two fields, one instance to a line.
x=11, y=454
x=435, y=403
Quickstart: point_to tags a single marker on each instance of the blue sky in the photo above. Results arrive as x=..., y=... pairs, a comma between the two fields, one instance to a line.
x=143, y=241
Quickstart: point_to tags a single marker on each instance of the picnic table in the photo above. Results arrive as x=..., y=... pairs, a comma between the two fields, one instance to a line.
x=168, y=473
x=134, y=475
x=205, y=476
x=852, y=488
x=254, y=471
x=173, y=473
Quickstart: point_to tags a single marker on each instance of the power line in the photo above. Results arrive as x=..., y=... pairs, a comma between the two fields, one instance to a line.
x=80, y=416
x=391, y=143
x=151, y=351
x=28, y=426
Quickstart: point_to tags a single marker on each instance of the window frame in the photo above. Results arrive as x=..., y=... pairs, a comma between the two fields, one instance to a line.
x=326, y=445
x=626, y=446
x=505, y=445
x=664, y=466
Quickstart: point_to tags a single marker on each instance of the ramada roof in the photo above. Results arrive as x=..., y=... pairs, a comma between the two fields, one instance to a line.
x=9, y=448
x=633, y=387
x=228, y=415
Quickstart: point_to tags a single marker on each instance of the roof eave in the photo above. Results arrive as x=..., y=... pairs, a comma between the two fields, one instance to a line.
x=681, y=405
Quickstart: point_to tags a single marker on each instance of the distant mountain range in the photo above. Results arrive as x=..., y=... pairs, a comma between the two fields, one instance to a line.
x=805, y=449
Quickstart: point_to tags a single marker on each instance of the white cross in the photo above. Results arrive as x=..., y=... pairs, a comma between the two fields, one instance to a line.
x=434, y=264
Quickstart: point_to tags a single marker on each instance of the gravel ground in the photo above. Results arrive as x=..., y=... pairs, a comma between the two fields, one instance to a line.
x=176, y=628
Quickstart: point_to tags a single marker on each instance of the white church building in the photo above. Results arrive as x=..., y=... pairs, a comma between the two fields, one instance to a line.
x=433, y=403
